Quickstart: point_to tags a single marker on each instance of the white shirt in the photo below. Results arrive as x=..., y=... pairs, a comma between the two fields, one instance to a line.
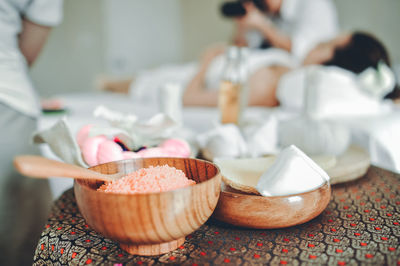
x=16, y=88
x=307, y=22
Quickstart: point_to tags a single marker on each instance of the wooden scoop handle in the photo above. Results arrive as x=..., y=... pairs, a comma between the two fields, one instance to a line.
x=40, y=167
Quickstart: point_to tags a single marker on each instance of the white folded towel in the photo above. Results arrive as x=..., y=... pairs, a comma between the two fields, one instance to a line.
x=328, y=92
x=61, y=142
x=133, y=132
x=334, y=92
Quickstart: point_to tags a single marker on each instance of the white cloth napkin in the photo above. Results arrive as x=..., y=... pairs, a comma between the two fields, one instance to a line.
x=222, y=141
x=292, y=172
x=61, y=142
x=133, y=132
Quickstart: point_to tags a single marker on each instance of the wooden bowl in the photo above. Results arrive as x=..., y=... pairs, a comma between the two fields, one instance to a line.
x=153, y=223
x=253, y=211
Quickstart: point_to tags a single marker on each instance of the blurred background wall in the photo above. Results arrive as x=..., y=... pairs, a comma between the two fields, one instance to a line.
x=141, y=34
x=75, y=51
x=121, y=37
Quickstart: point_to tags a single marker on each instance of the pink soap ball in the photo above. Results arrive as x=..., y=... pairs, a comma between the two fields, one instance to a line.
x=109, y=151
x=83, y=134
x=99, y=149
x=90, y=148
x=176, y=148
x=152, y=152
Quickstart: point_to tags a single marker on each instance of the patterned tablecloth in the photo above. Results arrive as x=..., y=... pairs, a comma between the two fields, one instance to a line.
x=361, y=225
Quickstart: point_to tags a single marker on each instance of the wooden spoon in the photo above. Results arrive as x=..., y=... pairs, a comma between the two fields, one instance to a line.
x=40, y=167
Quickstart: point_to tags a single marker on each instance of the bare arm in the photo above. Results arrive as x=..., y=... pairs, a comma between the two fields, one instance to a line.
x=274, y=36
x=197, y=94
x=239, y=37
x=255, y=19
x=32, y=39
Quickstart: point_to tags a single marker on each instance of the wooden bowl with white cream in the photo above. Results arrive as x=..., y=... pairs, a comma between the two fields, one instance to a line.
x=285, y=202
x=254, y=211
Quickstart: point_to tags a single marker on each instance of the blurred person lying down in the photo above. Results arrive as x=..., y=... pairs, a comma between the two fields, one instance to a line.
x=274, y=77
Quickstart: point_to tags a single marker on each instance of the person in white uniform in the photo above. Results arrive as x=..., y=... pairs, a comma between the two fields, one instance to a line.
x=24, y=202
x=292, y=25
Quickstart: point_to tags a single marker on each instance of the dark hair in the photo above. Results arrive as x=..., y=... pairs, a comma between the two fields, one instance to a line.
x=394, y=94
x=363, y=50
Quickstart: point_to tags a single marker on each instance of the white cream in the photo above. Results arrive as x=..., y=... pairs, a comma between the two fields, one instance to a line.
x=293, y=172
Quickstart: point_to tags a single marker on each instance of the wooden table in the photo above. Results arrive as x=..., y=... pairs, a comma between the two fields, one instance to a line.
x=361, y=225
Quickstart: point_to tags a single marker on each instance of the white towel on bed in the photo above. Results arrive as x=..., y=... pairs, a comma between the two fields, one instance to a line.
x=330, y=92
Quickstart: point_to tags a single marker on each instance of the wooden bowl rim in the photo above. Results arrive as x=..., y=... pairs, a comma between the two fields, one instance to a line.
x=244, y=194
x=87, y=188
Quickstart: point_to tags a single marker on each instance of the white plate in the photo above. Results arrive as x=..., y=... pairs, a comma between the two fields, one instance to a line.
x=353, y=164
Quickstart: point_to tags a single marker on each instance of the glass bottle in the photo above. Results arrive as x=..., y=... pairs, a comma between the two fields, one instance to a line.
x=232, y=95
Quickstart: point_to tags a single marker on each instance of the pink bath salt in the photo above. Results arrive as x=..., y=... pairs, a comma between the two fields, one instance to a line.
x=149, y=180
